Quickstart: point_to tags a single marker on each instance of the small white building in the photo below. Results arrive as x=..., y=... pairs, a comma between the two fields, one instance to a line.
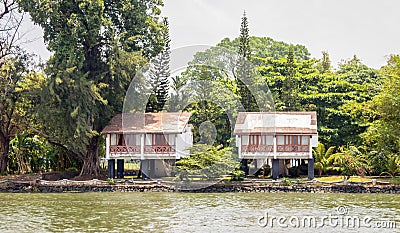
x=157, y=139
x=277, y=137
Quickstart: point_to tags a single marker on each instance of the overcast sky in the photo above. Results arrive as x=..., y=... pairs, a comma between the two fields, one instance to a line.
x=368, y=28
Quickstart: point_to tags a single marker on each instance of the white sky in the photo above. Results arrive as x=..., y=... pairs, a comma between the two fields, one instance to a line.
x=367, y=28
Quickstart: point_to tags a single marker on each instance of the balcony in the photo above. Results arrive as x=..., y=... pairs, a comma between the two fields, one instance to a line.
x=257, y=148
x=159, y=149
x=125, y=149
x=293, y=148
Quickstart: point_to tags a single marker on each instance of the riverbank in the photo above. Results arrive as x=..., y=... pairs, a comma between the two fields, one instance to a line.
x=42, y=186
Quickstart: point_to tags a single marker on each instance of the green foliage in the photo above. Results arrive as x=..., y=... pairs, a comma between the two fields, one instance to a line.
x=180, y=94
x=290, y=87
x=395, y=180
x=384, y=133
x=350, y=161
x=244, y=76
x=286, y=181
x=71, y=169
x=267, y=48
x=159, y=75
x=293, y=82
x=209, y=162
x=211, y=99
x=392, y=165
x=110, y=181
x=97, y=47
x=19, y=89
x=323, y=158
x=31, y=154
x=339, y=99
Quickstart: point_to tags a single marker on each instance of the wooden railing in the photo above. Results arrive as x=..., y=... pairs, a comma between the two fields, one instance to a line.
x=293, y=148
x=257, y=148
x=125, y=149
x=159, y=150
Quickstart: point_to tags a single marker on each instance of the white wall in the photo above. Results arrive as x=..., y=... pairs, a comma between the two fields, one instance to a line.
x=183, y=142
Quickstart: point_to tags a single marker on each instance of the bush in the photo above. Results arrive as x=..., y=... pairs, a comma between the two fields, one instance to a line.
x=286, y=181
x=71, y=169
x=209, y=163
x=110, y=181
x=237, y=175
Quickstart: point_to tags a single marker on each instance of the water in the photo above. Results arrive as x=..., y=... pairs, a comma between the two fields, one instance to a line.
x=190, y=212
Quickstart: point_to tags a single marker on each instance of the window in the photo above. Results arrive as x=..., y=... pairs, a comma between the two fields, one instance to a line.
x=289, y=140
x=305, y=140
x=160, y=139
x=256, y=140
x=245, y=140
x=171, y=139
x=293, y=143
x=281, y=140
x=149, y=139
x=132, y=139
x=113, y=140
x=120, y=140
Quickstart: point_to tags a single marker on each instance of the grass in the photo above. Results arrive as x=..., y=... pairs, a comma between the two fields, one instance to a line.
x=341, y=178
x=395, y=180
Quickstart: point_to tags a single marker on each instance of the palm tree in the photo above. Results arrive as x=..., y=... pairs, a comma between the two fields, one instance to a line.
x=392, y=165
x=323, y=158
x=350, y=161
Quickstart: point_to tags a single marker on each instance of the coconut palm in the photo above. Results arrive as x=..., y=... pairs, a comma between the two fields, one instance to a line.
x=392, y=165
x=323, y=158
x=350, y=161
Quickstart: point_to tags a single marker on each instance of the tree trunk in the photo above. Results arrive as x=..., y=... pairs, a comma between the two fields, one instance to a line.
x=4, y=156
x=91, y=163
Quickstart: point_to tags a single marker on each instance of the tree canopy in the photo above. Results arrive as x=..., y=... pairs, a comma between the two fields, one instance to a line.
x=96, y=47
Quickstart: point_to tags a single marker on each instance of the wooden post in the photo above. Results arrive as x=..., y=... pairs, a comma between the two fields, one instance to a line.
x=142, y=144
x=108, y=140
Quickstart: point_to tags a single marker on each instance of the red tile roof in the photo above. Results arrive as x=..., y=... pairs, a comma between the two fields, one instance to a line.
x=276, y=123
x=171, y=122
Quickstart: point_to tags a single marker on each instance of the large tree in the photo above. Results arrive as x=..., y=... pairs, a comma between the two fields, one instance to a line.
x=290, y=87
x=244, y=74
x=14, y=71
x=96, y=47
x=17, y=82
x=159, y=75
x=383, y=135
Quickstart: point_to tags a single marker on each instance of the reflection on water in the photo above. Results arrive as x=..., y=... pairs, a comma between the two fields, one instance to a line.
x=183, y=212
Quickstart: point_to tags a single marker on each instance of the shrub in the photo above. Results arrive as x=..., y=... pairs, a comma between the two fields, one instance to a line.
x=286, y=181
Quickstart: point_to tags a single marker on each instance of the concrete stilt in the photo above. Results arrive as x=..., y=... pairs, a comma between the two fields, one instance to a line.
x=144, y=168
x=152, y=168
x=275, y=168
x=111, y=168
x=310, y=169
x=244, y=166
x=120, y=168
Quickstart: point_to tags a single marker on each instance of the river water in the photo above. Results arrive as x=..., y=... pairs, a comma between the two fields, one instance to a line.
x=198, y=212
